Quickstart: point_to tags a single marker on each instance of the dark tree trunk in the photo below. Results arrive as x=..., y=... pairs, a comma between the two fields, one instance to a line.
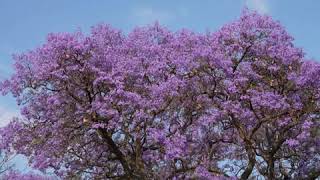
x=271, y=174
x=129, y=171
x=251, y=163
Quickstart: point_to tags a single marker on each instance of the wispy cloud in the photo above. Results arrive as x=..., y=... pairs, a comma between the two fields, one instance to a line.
x=261, y=6
x=6, y=115
x=147, y=15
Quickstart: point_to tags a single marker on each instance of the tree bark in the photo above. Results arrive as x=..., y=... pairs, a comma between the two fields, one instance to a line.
x=129, y=172
x=251, y=163
x=271, y=174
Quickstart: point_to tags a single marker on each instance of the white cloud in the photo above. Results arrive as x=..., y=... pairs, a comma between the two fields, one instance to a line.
x=147, y=15
x=6, y=115
x=259, y=5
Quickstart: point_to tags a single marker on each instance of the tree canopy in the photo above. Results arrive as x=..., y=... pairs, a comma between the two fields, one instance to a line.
x=241, y=102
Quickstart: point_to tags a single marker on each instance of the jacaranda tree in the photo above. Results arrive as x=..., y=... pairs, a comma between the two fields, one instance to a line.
x=15, y=175
x=242, y=102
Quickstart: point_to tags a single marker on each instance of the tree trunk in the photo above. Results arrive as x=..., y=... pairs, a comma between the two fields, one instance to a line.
x=271, y=174
x=129, y=171
x=251, y=163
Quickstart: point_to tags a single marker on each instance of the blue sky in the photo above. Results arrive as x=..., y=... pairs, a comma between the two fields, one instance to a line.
x=25, y=24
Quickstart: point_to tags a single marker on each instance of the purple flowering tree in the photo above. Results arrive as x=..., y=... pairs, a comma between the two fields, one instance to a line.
x=15, y=175
x=242, y=102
